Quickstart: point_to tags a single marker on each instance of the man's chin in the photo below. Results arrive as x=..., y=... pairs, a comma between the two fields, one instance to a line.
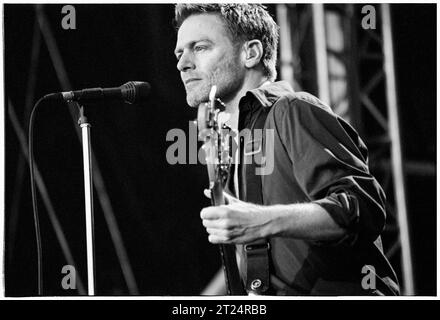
x=194, y=103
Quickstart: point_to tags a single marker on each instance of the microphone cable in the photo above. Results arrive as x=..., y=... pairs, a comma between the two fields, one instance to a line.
x=130, y=92
x=34, y=197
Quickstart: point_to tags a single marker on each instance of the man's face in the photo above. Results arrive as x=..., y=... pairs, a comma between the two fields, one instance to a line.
x=206, y=56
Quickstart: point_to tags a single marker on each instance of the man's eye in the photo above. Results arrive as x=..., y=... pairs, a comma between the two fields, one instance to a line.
x=199, y=48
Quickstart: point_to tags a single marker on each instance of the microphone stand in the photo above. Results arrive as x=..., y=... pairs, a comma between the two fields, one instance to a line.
x=88, y=195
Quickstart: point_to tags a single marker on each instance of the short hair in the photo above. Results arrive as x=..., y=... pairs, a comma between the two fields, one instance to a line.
x=245, y=22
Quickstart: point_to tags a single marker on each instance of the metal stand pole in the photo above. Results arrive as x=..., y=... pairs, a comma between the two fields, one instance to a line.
x=396, y=151
x=88, y=194
x=321, y=52
x=286, y=52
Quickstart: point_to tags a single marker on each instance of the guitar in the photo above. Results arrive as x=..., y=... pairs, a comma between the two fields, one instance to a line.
x=215, y=136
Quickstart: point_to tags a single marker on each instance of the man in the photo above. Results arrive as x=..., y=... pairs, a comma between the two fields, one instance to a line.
x=320, y=211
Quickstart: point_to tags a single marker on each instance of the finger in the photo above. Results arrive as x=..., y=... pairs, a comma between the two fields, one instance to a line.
x=218, y=224
x=207, y=193
x=211, y=213
x=219, y=232
x=211, y=223
x=220, y=239
x=230, y=199
x=215, y=239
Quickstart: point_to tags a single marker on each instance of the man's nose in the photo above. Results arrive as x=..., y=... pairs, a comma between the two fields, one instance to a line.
x=185, y=62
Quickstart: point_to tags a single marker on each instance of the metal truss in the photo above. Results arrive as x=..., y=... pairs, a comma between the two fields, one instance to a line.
x=43, y=35
x=326, y=50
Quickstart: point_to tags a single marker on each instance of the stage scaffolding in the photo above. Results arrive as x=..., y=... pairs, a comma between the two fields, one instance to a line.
x=353, y=72
x=43, y=38
x=323, y=50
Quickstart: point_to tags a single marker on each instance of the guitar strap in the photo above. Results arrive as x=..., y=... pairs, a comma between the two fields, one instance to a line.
x=256, y=254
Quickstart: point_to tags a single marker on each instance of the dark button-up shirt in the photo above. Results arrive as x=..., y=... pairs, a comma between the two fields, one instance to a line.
x=318, y=157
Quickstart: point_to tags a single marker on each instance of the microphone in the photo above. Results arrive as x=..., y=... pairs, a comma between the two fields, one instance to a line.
x=130, y=92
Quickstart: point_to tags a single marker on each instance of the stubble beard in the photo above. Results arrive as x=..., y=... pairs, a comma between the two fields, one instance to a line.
x=228, y=77
x=198, y=95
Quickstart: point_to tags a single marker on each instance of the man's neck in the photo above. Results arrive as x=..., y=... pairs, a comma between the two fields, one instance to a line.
x=232, y=106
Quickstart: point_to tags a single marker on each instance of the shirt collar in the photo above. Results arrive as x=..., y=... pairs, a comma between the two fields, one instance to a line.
x=268, y=94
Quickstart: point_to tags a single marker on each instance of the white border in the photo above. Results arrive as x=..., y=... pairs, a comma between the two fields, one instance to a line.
x=182, y=298
x=2, y=165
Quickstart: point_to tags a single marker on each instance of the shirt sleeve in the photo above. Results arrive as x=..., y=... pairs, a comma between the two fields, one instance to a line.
x=330, y=163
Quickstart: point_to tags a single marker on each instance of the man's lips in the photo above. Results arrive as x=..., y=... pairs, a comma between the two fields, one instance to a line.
x=191, y=80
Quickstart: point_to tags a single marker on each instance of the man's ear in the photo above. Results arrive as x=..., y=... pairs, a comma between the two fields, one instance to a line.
x=254, y=53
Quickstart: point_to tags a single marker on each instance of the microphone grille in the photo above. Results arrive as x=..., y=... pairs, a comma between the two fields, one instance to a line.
x=135, y=91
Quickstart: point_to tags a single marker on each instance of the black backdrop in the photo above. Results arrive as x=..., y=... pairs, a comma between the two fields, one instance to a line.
x=157, y=204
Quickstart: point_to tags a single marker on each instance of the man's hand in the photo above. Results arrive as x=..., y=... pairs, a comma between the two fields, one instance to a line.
x=242, y=222
x=237, y=222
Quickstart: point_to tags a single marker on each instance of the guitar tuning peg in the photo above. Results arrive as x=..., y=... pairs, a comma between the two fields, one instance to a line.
x=220, y=104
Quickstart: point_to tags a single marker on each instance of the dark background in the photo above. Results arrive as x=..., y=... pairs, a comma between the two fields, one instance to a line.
x=156, y=204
